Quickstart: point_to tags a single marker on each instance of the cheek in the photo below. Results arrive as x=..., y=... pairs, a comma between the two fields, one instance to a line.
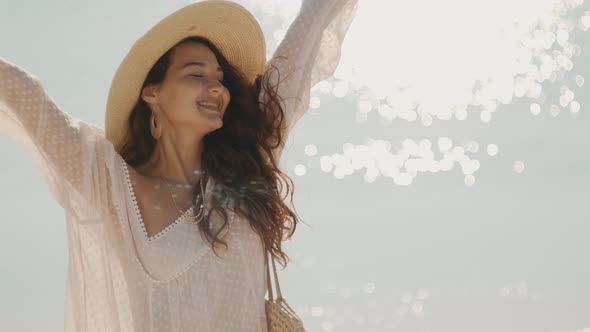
x=183, y=93
x=179, y=102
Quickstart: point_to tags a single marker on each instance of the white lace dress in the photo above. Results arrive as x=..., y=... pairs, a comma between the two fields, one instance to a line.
x=119, y=279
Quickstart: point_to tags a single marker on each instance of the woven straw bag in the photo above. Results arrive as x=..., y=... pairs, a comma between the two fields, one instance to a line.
x=279, y=315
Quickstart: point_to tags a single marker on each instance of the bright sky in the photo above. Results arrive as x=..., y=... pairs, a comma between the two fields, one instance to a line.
x=458, y=57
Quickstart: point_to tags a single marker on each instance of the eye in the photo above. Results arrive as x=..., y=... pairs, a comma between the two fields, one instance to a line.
x=222, y=81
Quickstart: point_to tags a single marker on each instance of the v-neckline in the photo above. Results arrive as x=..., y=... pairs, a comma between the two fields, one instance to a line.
x=133, y=246
x=139, y=216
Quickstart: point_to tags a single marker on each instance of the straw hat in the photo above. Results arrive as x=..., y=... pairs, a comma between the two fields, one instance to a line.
x=228, y=25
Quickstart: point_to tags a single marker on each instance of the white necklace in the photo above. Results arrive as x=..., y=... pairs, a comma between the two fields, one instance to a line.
x=203, y=211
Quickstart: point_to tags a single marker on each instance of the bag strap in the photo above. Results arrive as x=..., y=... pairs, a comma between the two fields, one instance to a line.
x=268, y=282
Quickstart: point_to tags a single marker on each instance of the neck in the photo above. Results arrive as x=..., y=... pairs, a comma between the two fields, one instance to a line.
x=175, y=161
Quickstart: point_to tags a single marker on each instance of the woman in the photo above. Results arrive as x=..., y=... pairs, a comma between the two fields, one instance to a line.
x=171, y=209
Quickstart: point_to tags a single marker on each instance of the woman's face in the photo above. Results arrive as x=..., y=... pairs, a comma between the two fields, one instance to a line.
x=187, y=84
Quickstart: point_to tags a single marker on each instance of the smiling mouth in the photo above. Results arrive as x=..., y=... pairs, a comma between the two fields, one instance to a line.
x=209, y=108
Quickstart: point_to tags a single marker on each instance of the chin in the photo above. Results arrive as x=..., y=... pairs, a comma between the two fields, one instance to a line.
x=216, y=125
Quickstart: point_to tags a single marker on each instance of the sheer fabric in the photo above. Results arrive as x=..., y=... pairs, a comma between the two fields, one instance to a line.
x=119, y=278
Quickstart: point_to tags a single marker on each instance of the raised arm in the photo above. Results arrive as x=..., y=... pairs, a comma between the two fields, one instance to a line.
x=309, y=53
x=71, y=154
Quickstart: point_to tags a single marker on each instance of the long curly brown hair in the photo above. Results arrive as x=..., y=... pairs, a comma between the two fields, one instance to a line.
x=238, y=156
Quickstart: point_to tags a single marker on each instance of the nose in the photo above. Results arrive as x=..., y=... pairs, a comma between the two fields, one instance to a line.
x=216, y=86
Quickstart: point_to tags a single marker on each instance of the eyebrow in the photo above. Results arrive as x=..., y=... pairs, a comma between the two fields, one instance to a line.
x=200, y=64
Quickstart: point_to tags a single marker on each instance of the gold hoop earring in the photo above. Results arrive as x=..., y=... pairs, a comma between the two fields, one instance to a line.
x=154, y=128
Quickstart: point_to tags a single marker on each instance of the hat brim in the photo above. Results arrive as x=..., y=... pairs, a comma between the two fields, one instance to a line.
x=229, y=26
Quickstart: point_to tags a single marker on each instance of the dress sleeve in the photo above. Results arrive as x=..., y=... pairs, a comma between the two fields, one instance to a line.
x=309, y=53
x=71, y=154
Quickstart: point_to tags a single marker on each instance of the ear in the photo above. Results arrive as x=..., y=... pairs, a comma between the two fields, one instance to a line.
x=149, y=94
